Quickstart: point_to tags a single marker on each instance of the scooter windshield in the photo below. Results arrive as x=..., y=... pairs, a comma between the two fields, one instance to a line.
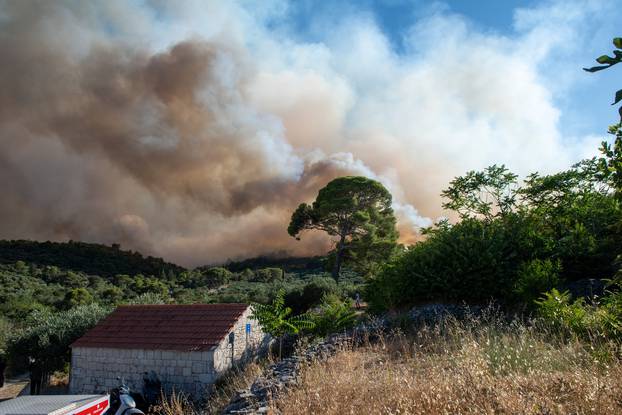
x=128, y=401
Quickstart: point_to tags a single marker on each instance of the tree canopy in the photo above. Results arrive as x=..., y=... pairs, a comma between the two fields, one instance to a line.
x=610, y=164
x=488, y=194
x=514, y=240
x=357, y=211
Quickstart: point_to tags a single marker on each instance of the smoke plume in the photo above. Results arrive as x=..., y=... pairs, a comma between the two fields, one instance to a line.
x=192, y=131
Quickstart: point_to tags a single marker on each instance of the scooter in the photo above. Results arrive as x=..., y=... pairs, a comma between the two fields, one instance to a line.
x=121, y=402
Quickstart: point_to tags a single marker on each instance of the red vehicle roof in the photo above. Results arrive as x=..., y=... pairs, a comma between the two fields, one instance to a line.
x=195, y=327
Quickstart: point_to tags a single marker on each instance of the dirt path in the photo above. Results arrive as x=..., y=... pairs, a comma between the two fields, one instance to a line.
x=14, y=386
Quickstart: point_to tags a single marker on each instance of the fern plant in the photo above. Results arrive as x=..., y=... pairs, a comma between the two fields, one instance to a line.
x=276, y=319
x=333, y=316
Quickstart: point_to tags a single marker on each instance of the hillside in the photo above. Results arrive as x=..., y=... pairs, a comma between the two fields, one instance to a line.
x=95, y=259
x=58, y=276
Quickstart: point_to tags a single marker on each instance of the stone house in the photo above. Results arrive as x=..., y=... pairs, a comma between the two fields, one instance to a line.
x=188, y=347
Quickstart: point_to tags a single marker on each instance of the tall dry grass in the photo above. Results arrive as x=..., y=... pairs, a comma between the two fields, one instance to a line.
x=480, y=366
x=238, y=378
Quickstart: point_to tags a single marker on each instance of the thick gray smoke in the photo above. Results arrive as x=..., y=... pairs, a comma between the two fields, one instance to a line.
x=197, y=144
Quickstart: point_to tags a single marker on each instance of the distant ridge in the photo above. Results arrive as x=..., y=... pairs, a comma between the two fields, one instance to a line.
x=94, y=259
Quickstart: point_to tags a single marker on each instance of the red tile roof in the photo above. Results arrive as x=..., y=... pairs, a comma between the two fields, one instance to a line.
x=196, y=327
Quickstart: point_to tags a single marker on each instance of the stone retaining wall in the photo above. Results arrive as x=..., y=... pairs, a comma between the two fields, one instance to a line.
x=280, y=376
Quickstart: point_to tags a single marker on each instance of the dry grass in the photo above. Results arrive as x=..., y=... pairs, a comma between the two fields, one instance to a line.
x=478, y=367
x=179, y=404
x=175, y=404
x=59, y=379
x=230, y=383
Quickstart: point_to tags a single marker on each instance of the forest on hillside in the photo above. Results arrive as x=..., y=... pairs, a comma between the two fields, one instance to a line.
x=96, y=259
x=50, y=293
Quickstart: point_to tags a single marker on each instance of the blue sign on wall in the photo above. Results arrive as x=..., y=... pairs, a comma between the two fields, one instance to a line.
x=248, y=328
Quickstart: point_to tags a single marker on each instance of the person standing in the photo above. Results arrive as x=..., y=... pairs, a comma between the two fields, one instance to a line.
x=36, y=377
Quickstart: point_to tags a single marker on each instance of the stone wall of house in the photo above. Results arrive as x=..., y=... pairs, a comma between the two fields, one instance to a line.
x=246, y=344
x=95, y=370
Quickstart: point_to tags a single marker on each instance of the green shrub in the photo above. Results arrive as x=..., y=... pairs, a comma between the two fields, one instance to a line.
x=269, y=275
x=111, y=295
x=48, y=335
x=148, y=298
x=536, y=277
x=569, y=221
x=246, y=275
x=311, y=294
x=216, y=276
x=557, y=308
x=333, y=315
x=472, y=261
x=76, y=297
x=277, y=320
x=602, y=319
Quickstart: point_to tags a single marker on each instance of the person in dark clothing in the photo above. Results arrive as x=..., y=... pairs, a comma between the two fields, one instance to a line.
x=36, y=378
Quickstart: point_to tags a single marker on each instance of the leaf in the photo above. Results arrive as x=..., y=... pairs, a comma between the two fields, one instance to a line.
x=605, y=59
x=596, y=68
x=618, y=97
x=617, y=42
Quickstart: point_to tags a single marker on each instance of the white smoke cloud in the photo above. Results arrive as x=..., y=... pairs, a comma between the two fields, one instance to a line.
x=192, y=129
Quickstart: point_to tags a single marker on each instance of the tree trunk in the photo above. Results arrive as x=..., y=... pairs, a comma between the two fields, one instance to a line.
x=338, y=255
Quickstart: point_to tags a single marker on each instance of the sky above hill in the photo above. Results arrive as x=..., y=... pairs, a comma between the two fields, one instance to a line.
x=192, y=129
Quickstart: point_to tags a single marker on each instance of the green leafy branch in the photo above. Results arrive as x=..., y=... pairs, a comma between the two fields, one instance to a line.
x=276, y=319
x=607, y=61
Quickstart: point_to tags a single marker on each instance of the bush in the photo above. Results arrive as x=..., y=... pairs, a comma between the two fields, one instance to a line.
x=246, y=275
x=511, y=242
x=76, y=297
x=217, y=276
x=536, y=277
x=333, y=315
x=148, y=298
x=48, y=335
x=111, y=295
x=602, y=319
x=556, y=308
x=269, y=275
x=472, y=261
x=304, y=298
